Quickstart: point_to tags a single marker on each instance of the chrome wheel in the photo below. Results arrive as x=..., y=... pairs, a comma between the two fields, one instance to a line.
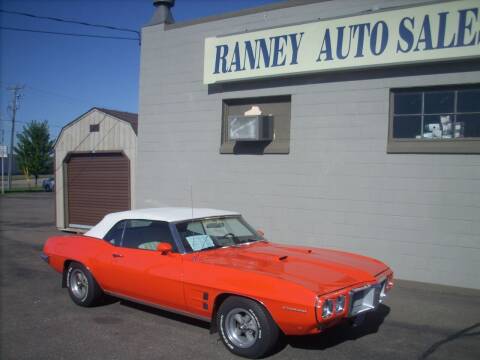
x=79, y=284
x=241, y=328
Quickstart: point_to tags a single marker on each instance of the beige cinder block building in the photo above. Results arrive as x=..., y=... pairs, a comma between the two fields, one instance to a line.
x=376, y=126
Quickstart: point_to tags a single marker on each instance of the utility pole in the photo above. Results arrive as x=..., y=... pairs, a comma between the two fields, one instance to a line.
x=3, y=153
x=13, y=107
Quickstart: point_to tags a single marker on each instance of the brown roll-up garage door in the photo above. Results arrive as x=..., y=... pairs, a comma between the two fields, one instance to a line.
x=97, y=184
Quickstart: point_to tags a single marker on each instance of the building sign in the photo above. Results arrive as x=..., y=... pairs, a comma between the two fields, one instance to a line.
x=442, y=31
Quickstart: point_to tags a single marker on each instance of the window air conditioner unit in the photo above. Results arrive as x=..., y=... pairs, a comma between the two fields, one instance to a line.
x=250, y=128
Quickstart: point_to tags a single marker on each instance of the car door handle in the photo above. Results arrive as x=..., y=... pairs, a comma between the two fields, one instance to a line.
x=117, y=255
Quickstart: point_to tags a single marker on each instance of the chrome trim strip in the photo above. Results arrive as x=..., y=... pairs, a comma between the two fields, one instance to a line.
x=160, y=307
x=205, y=218
x=289, y=308
x=177, y=239
x=315, y=308
x=361, y=288
x=80, y=226
x=383, y=293
x=379, y=296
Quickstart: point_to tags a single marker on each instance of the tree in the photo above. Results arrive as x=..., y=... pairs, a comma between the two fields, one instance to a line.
x=34, y=149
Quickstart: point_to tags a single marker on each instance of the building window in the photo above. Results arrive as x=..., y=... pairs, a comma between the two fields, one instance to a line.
x=435, y=120
x=94, y=127
x=274, y=108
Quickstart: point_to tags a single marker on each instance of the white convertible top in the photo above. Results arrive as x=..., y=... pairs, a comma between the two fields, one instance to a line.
x=168, y=214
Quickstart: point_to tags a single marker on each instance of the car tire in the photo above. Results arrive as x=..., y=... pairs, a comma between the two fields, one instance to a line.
x=246, y=327
x=82, y=286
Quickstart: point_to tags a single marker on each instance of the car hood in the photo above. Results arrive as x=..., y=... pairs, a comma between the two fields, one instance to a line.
x=320, y=270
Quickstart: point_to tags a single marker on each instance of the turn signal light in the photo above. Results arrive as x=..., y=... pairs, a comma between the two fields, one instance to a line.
x=389, y=284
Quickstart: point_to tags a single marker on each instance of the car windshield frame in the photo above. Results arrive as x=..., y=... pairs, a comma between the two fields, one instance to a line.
x=236, y=240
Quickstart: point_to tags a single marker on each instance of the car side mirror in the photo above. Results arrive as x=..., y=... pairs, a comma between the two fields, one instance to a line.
x=164, y=248
x=260, y=233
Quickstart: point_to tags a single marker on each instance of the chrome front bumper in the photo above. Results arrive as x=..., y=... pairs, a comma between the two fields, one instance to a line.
x=367, y=298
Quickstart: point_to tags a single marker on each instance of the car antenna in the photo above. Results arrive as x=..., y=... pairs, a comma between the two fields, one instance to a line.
x=191, y=198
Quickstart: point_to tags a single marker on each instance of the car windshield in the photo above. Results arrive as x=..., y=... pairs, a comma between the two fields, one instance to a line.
x=211, y=233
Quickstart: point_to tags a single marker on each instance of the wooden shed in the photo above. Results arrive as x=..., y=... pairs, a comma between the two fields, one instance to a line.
x=95, y=167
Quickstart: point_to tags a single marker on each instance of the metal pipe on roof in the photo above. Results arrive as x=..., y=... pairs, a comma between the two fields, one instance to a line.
x=163, y=14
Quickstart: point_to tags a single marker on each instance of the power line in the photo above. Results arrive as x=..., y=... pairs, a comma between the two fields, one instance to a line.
x=49, y=93
x=70, y=21
x=68, y=34
x=55, y=94
x=58, y=95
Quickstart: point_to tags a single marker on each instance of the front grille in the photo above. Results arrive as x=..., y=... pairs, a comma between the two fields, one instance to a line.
x=366, y=298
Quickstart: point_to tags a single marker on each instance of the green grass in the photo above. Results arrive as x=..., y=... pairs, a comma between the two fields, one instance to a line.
x=22, y=177
x=24, y=190
x=22, y=184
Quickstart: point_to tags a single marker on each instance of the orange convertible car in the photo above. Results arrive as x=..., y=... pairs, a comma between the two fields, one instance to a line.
x=210, y=264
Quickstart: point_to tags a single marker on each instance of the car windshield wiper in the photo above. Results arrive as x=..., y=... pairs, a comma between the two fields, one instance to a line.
x=209, y=248
x=247, y=242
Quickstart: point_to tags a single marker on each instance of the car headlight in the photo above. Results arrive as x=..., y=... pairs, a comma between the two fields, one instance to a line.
x=340, y=304
x=327, y=308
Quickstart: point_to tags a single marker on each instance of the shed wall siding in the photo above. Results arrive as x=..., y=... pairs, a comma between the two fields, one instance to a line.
x=338, y=187
x=114, y=135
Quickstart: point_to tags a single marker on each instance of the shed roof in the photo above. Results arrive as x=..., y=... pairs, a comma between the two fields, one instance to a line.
x=131, y=118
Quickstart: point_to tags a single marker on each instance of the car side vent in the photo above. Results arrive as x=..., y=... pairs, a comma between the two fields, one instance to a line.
x=281, y=258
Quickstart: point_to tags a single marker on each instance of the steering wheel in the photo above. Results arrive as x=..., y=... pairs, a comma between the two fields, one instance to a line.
x=230, y=236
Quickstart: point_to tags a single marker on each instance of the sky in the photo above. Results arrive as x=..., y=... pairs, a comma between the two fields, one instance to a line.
x=63, y=76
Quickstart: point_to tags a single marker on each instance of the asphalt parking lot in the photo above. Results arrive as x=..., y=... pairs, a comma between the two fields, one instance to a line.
x=39, y=321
